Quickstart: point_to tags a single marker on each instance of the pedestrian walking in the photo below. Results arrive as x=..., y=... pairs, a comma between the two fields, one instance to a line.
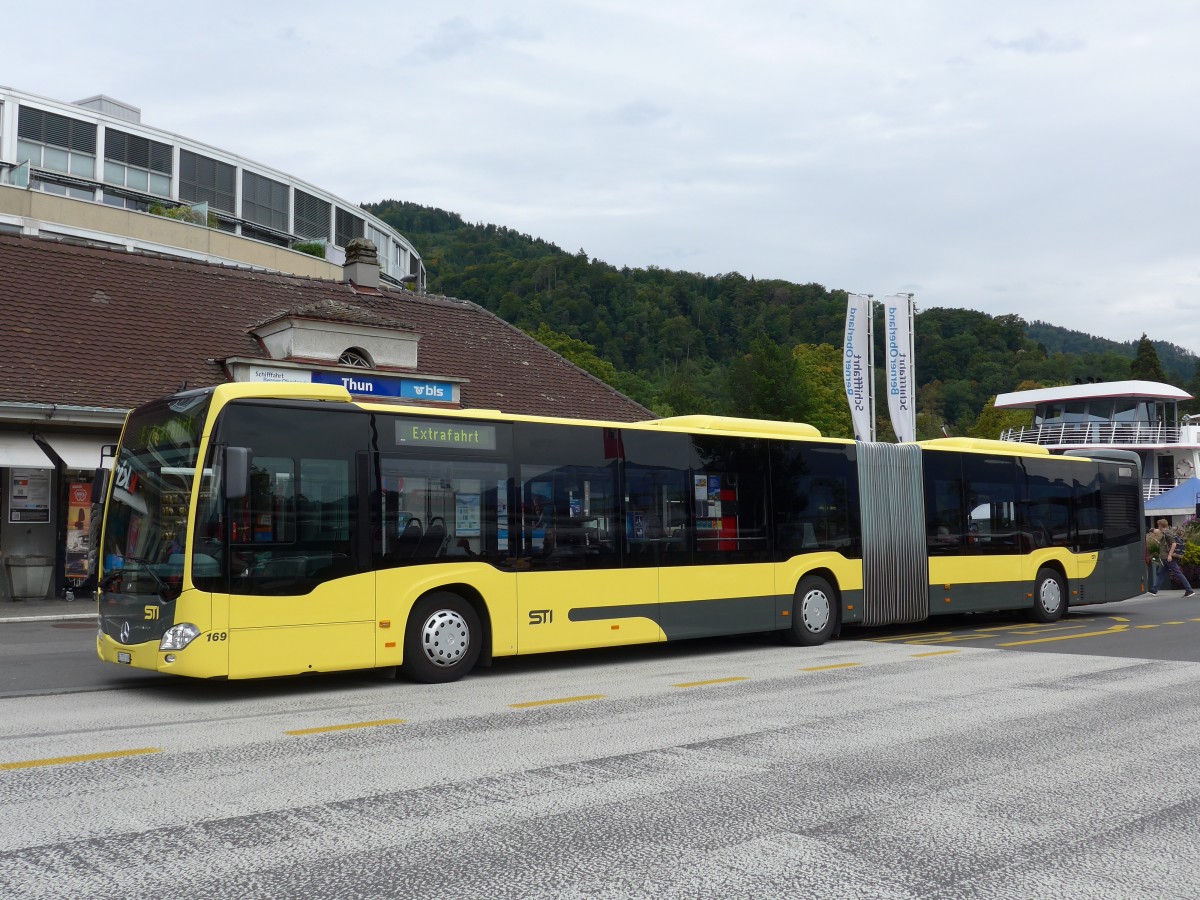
x=1168, y=546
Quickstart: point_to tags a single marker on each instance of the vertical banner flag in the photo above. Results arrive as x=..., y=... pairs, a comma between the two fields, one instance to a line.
x=898, y=317
x=856, y=364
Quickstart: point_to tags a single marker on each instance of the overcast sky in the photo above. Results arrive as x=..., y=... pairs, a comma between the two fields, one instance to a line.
x=1018, y=157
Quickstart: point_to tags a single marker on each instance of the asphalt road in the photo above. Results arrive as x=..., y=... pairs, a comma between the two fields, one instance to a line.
x=57, y=657
x=870, y=767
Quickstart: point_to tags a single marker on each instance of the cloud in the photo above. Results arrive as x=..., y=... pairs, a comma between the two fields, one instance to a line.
x=1037, y=43
x=458, y=37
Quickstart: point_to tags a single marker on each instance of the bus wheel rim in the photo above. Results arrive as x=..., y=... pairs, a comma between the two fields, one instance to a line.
x=1051, y=595
x=814, y=610
x=445, y=638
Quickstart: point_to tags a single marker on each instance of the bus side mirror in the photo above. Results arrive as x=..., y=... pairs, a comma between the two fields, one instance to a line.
x=237, y=472
x=99, y=486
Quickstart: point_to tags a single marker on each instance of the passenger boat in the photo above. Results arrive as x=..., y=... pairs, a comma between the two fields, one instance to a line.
x=1142, y=416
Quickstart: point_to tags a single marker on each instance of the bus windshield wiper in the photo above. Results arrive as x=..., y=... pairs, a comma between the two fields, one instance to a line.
x=164, y=589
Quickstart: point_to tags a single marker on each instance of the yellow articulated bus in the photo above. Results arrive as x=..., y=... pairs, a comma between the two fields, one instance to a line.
x=260, y=530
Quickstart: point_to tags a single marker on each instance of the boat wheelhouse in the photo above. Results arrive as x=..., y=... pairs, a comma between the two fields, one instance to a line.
x=1142, y=416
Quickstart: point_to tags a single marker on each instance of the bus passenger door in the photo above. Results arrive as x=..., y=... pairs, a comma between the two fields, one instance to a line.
x=973, y=537
x=727, y=584
x=301, y=596
x=576, y=585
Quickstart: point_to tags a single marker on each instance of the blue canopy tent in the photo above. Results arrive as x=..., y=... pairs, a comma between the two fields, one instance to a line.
x=1178, y=501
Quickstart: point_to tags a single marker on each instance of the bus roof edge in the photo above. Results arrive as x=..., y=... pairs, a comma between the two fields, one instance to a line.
x=700, y=422
x=989, y=444
x=283, y=391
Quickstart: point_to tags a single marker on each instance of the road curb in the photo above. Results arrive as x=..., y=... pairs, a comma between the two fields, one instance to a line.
x=51, y=618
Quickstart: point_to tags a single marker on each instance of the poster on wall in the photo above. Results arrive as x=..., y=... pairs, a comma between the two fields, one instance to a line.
x=29, y=495
x=79, y=517
x=466, y=515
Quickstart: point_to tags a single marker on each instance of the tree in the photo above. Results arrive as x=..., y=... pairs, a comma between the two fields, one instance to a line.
x=993, y=422
x=679, y=334
x=1192, y=387
x=824, y=403
x=1145, y=366
x=765, y=383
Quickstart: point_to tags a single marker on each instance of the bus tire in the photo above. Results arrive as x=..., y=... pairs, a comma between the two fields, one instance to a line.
x=815, y=607
x=442, y=640
x=1049, y=596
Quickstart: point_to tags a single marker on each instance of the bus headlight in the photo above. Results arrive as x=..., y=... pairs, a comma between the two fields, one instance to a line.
x=179, y=636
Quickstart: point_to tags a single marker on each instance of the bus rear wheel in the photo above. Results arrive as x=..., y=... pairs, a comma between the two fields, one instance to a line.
x=442, y=640
x=1049, y=597
x=814, y=612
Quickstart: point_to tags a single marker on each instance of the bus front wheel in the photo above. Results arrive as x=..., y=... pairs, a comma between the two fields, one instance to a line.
x=1049, y=597
x=442, y=641
x=814, y=612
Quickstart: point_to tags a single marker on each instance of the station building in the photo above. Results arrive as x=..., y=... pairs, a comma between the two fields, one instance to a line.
x=92, y=170
x=91, y=329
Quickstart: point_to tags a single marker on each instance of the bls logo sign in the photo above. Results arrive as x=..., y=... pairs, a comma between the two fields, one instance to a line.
x=123, y=476
x=541, y=616
x=151, y=612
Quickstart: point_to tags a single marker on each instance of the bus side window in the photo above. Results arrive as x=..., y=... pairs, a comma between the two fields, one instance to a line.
x=297, y=526
x=729, y=492
x=568, y=516
x=945, y=524
x=434, y=510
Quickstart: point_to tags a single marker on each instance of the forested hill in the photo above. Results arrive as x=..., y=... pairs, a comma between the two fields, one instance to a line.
x=682, y=342
x=1177, y=362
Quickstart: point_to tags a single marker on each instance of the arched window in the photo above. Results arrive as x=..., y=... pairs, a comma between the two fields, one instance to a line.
x=357, y=358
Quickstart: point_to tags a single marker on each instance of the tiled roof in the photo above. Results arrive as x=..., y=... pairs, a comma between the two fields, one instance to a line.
x=88, y=326
x=330, y=310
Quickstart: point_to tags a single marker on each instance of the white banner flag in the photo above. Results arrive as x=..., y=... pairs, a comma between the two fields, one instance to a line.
x=856, y=363
x=897, y=318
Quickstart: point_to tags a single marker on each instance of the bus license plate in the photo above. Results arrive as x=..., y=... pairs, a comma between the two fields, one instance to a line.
x=123, y=657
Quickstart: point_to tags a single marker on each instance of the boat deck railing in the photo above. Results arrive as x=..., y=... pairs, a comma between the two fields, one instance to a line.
x=1152, y=487
x=1095, y=433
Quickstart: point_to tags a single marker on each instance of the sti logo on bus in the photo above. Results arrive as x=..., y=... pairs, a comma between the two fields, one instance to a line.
x=541, y=616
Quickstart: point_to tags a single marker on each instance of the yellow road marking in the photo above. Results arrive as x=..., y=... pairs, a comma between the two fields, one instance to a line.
x=827, y=668
x=349, y=725
x=691, y=684
x=904, y=637
x=954, y=639
x=1045, y=630
x=557, y=700
x=1118, y=618
x=934, y=653
x=1145, y=626
x=1174, y=623
x=1116, y=629
x=85, y=757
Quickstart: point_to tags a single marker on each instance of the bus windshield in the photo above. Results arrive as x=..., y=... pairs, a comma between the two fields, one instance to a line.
x=146, y=515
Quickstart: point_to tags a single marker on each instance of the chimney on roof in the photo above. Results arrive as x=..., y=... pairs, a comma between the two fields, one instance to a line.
x=362, y=263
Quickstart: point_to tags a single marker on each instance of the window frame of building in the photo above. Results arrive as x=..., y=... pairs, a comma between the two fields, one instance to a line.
x=137, y=163
x=348, y=227
x=308, y=211
x=219, y=191
x=51, y=134
x=265, y=201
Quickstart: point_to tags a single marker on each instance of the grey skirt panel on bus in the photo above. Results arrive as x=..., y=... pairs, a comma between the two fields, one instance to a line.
x=895, y=564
